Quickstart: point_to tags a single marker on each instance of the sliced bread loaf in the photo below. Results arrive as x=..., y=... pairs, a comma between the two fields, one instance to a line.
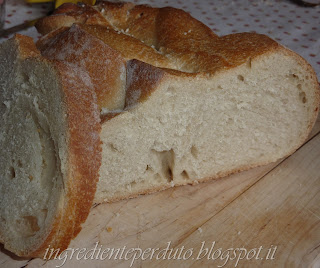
x=93, y=119
x=197, y=106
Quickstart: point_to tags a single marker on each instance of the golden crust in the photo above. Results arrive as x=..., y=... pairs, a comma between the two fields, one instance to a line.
x=84, y=151
x=164, y=37
x=68, y=14
x=26, y=46
x=142, y=80
x=104, y=65
x=128, y=46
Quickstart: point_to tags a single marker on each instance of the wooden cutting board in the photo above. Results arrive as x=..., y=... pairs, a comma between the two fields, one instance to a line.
x=274, y=209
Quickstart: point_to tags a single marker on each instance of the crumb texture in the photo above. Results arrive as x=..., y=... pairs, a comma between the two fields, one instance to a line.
x=30, y=161
x=194, y=129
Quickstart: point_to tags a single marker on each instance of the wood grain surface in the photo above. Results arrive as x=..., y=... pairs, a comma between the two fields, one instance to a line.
x=273, y=209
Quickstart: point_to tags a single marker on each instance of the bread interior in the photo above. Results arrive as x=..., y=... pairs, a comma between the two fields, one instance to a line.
x=194, y=128
x=32, y=154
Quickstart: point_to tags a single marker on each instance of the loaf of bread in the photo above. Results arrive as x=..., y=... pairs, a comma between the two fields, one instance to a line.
x=119, y=100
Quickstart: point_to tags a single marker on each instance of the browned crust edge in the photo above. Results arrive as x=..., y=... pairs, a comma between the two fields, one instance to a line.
x=142, y=80
x=68, y=14
x=103, y=64
x=84, y=149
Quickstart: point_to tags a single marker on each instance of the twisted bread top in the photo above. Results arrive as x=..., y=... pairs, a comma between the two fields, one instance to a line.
x=164, y=37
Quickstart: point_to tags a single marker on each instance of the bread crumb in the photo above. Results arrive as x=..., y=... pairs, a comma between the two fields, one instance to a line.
x=109, y=229
x=200, y=230
x=239, y=233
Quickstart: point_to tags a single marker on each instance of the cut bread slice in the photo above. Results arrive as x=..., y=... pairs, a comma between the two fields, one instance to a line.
x=50, y=149
x=183, y=128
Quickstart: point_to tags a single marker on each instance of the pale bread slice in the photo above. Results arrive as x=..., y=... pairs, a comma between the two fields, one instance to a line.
x=50, y=149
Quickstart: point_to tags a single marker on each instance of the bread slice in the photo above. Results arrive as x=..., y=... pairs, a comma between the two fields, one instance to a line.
x=50, y=149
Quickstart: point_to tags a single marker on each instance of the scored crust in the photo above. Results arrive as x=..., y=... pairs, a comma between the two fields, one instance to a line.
x=104, y=65
x=169, y=37
x=162, y=37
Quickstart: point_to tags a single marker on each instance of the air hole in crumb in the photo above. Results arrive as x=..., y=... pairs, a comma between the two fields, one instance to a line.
x=33, y=223
x=148, y=168
x=240, y=77
x=3, y=219
x=185, y=175
x=194, y=151
x=12, y=173
x=3, y=106
x=229, y=120
x=19, y=163
x=112, y=147
x=169, y=174
x=299, y=86
x=25, y=77
x=219, y=87
x=133, y=184
x=302, y=96
x=171, y=90
x=45, y=212
x=157, y=177
x=166, y=159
